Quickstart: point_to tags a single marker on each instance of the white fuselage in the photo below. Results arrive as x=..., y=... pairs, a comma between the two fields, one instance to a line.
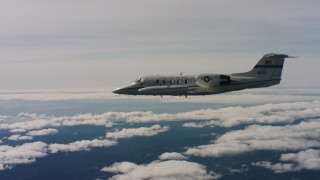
x=267, y=72
x=188, y=85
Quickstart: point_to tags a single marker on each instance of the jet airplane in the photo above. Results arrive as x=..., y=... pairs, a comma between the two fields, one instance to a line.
x=267, y=72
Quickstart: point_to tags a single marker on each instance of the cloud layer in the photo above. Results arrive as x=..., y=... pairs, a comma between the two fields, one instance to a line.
x=253, y=138
x=303, y=160
x=133, y=132
x=42, y=132
x=33, y=121
x=224, y=117
x=83, y=145
x=160, y=170
x=231, y=116
x=18, y=137
x=172, y=156
x=256, y=137
x=24, y=154
x=28, y=152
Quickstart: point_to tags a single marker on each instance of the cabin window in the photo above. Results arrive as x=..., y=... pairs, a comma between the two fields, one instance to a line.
x=186, y=81
x=171, y=81
x=163, y=81
x=179, y=81
x=157, y=81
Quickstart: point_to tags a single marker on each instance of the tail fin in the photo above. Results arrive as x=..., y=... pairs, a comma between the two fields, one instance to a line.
x=268, y=67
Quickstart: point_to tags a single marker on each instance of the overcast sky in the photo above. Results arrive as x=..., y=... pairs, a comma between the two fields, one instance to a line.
x=103, y=43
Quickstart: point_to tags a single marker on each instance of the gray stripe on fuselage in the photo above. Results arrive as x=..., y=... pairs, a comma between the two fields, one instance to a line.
x=268, y=66
x=252, y=82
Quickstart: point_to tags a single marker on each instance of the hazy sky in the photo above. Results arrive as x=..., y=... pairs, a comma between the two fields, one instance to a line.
x=101, y=43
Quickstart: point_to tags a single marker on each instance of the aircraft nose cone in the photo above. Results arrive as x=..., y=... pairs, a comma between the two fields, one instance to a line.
x=117, y=91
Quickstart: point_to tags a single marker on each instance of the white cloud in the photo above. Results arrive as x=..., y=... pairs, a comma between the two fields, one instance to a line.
x=82, y=119
x=268, y=113
x=133, y=132
x=83, y=145
x=308, y=159
x=225, y=117
x=24, y=154
x=18, y=130
x=243, y=168
x=26, y=125
x=198, y=125
x=172, y=156
x=278, y=167
x=256, y=137
x=123, y=167
x=31, y=115
x=18, y=137
x=42, y=132
x=4, y=118
x=230, y=116
x=28, y=152
x=32, y=121
x=303, y=160
x=160, y=170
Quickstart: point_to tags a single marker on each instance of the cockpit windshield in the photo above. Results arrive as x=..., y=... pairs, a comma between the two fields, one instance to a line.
x=138, y=80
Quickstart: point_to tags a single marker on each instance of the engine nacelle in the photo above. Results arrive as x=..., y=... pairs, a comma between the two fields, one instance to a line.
x=212, y=80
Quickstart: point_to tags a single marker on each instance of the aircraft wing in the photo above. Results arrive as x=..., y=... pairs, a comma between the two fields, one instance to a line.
x=164, y=90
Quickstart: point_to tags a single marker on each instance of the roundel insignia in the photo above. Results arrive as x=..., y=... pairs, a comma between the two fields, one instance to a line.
x=206, y=79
